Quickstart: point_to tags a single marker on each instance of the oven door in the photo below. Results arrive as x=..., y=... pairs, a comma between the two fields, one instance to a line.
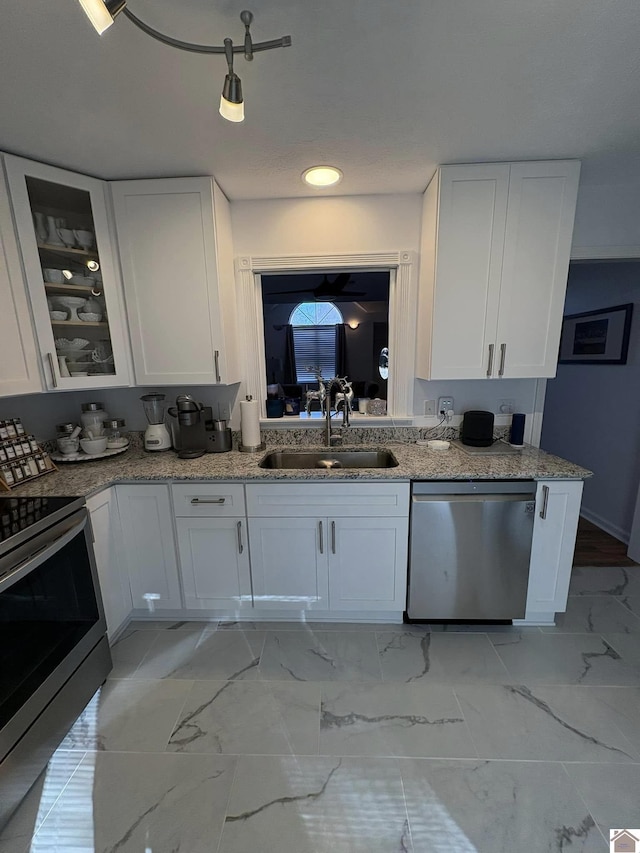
x=51, y=618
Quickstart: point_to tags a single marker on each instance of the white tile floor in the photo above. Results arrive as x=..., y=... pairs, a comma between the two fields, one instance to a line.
x=284, y=737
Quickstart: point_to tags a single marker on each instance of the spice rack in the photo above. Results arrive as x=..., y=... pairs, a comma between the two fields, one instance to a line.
x=22, y=459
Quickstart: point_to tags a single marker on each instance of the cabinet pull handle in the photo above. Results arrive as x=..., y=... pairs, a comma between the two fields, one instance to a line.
x=545, y=501
x=333, y=537
x=218, y=501
x=54, y=380
x=216, y=358
x=321, y=537
x=240, y=545
x=490, y=364
x=503, y=354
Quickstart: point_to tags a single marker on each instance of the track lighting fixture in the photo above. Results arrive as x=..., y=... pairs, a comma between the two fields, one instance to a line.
x=102, y=14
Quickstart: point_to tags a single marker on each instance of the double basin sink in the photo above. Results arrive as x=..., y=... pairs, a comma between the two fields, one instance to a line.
x=328, y=459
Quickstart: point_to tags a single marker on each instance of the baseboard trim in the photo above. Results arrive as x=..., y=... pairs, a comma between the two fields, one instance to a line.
x=603, y=524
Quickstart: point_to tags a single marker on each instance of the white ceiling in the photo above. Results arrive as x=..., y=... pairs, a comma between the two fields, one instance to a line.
x=383, y=90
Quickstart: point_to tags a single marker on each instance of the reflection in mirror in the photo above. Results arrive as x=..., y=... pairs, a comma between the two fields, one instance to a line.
x=317, y=326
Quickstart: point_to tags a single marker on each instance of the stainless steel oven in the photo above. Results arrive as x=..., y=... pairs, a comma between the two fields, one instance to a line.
x=54, y=652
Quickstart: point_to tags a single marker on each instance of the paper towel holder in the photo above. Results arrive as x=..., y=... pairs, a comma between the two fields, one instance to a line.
x=253, y=448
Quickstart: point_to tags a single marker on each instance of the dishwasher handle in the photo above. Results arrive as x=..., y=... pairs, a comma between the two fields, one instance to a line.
x=475, y=498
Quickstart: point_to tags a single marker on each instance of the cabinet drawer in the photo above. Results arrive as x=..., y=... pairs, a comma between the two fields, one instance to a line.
x=302, y=500
x=208, y=500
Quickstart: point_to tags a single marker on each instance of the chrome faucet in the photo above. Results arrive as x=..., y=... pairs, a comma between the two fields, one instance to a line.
x=331, y=437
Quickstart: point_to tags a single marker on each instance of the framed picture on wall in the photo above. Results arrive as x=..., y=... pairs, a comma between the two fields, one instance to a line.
x=596, y=337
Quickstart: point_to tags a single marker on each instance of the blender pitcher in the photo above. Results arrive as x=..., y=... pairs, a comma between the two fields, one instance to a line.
x=156, y=436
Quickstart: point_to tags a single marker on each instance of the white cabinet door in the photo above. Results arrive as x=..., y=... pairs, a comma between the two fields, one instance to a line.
x=554, y=538
x=112, y=573
x=289, y=563
x=368, y=564
x=540, y=213
x=19, y=373
x=148, y=546
x=214, y=562
x=56, y=272
x=177, y=262
x=470, y=240
x=496, y=242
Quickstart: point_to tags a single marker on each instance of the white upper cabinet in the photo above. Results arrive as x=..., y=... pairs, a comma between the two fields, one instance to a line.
x=63, y=233
x=177, y=262
x=495, y=255
x=19, y=371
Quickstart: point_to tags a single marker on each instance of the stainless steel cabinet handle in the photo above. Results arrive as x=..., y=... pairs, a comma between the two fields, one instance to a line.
x=216, y=358
x=333, y=537
x=490, y=364
x=503, y=354
x=54, y=380
x=545, y=501
x=321, y=537
x=218, y=501
x=240, y=545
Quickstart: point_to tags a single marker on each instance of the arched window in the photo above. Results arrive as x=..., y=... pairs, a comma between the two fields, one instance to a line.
x=314, y=339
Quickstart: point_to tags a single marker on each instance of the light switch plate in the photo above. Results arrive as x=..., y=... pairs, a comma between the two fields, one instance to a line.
x=430, y=408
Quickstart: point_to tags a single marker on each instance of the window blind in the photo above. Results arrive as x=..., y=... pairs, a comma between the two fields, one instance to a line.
x=315, y=349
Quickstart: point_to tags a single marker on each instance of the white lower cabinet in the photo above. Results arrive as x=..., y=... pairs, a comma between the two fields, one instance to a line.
x=289, y=563
x=214, y=563
x=112, y=572
x=554, y=537
x=303, y=558
x=148, y=546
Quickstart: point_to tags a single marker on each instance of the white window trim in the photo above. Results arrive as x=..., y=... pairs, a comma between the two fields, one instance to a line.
x=402, y=316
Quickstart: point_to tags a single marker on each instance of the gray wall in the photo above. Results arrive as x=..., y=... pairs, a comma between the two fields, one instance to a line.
x=592, y=412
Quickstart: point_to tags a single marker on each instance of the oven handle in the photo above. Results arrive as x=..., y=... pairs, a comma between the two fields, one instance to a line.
x=53, y=542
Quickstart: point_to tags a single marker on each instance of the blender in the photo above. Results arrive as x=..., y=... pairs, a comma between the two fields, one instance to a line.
x=156, y=435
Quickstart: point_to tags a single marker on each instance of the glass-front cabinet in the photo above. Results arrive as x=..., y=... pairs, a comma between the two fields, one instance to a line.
x=63, y=232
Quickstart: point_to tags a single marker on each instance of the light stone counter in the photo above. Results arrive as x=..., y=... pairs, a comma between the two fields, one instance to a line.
x=415, y=463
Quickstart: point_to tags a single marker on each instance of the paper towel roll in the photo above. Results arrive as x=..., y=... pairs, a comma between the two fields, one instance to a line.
x=250, y=422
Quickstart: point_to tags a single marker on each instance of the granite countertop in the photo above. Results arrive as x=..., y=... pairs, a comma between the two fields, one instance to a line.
x=415, y=463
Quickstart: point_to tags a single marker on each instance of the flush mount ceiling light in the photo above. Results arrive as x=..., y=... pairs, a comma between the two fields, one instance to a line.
x=102, y=14
x=322, y=176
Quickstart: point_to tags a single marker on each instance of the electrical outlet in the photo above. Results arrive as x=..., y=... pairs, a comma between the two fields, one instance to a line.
x=445, y=404
x=506, y=406
x=430, y=408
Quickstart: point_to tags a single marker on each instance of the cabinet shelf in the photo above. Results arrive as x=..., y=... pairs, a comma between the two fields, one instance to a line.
x=51, y=287
x=78, y=323
x=63, y=250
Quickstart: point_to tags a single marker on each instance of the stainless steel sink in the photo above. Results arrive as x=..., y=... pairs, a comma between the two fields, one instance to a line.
x=329, y=459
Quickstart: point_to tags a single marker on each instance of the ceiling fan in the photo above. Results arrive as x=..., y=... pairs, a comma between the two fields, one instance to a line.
x=327, y=290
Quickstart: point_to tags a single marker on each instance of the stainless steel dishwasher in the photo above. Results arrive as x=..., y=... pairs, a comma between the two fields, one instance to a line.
x=470, y=549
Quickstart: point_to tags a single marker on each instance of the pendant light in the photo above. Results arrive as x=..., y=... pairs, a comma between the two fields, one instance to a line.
x=231, y=102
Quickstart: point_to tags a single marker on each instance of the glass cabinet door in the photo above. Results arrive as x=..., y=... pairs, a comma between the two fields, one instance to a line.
x=64, y=239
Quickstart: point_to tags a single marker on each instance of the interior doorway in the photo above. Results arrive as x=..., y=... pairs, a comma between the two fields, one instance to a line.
x=592, y=410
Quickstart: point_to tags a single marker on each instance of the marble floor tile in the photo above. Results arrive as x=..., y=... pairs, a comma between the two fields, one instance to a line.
x=128, y=651
x=597, y=614
x=612, y=794
x=447, y=658
x=627, y=646
x=496, y=807
x=563, y=659
x=605, y=581
x=316, y=805
x=209, y=654
x=249, y=718
x=129, y=715
x=129, y=803
x=632, y=603
x=393, y=719
x=320, y=656
x=27, y=819
x=554, y=723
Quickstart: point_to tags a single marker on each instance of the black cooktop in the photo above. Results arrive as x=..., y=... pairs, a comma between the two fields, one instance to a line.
x=18, y=513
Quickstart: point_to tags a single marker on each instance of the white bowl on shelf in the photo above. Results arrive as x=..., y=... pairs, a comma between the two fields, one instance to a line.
x=72, y=304
x=89, y=317
x=58, y=315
